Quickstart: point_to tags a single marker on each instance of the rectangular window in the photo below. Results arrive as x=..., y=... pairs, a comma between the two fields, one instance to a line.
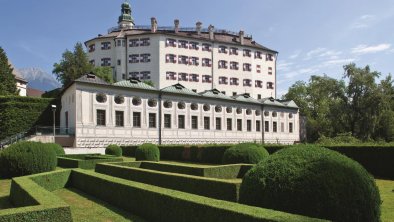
x=134, y=75
x=145, y=42
x=234, y=65
x=170, y=75
x=234, y=81
x=249, y=125
x=258, y=84
x=100, y=117
x=92, y=47
x=194, y=78
x=239, y=124
x=183, y=76
x=207, y=78
x=194, y=61
x=206, y=62
x=137, y=119
x=167, y=120
x=152, y=120
x=257, y=55
x=223, y=80
x=106, y=62
x=269, y=70
x=206, y=47
x=105, y=45
x=233, y=51
x=248, y=82
x=258, y=68
x=119, y=62
x=269, y=57
x=170, y=43
x=182, y=44
x=206, y=123
x=134, y=58
x=222, y=64
x=218, y=123
x=247, y=53
x=247, y=67
x=170, y=58
x=183, y=59
x=194, y=122
x=274, y=127
x=282, y=127
x=181, y=121
x=290, y=127
x=223, y=49
x=133, y=43
x=258, y=125
x=145, y=75
x=145, y=58
x=266, y=126
x=194, y=45
x=119, y=118
x=229, y=124
x=92, y=62
x=270, y=85
x=258, y=96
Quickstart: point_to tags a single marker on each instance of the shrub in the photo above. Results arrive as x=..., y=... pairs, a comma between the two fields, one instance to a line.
x=56, y=147
x=25, y=158
x=147, y=151
x=245, y=153
x=313, y=181
x=128, y=150
x=113, y=150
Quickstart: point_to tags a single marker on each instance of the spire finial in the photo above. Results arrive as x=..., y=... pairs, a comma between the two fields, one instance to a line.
x=125, y=18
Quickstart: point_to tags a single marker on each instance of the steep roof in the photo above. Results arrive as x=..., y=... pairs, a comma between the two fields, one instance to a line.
x=91, y=78
x=245, y=98
x=134, y=83
x=215, y=93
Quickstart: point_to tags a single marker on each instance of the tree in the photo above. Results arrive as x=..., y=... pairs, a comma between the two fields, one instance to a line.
x=104, y=73
x=73, y=65
x=7, y=79
x=149, y=82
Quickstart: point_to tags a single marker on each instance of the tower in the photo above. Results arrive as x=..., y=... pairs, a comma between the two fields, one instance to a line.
x=125, y=19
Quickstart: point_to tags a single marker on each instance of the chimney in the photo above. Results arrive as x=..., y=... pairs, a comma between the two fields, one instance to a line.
x=198, y=28
x=153, y=22
x=210, y=30
x=241, y=37
x=176, y=23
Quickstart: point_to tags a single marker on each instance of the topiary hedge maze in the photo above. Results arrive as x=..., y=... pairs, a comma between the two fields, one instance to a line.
x=85, y=161
x=245, y=153
x=148, y=152
x=313, y=181
x=25, y=158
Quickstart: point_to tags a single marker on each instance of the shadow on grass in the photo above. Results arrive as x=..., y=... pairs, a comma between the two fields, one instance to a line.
x=85, y=207
x=5, y=203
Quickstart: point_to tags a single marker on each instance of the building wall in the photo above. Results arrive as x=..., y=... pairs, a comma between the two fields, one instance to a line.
x=83, y=119
x=158, y=65
x=21, y=86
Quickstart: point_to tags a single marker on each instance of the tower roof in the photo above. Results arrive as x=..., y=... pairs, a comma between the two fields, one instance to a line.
x=125, y=16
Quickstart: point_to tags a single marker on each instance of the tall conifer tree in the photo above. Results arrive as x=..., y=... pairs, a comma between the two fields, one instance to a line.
x=7, y=79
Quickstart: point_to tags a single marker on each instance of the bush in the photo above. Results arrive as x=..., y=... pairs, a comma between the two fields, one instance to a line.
x=313, y=181
x=128, y=151
x=245, y=153
x=25, y=158
x=56, y=147
x=113, y=150
x=147, y=151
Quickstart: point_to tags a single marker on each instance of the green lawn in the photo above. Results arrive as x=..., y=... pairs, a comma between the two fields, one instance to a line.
x=88, y=208
x=386, y=188
x=4, y=193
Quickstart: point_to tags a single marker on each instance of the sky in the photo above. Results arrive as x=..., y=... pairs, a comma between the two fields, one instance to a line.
x=313, y=37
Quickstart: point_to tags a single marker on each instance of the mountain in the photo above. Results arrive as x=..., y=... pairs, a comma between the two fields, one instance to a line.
x=38, y=79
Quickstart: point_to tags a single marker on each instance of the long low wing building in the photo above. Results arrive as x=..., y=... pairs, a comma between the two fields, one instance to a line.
x=130, y=112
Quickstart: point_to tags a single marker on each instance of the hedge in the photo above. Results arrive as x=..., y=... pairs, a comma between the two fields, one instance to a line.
x=147, y=151
x=33, y=200
x=232, y=171
x=209, y=187
x=160, y=204
x=113, y=149
x=250, y=153
x=85, y=161
x=204, y=154
x=21, y=114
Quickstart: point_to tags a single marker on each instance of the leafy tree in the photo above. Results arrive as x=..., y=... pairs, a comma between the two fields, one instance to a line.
x=149, y=82
x=104, y=73
x=7, y=79
x=73, y=65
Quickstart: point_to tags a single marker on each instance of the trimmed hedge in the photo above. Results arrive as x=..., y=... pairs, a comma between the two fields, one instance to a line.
x=245, y=153
x=128, y=151
x=313, y=181
x=21, y=114
x=113, y=149
x=209, y=187
x=33, y=200
x=56, y=147
x=147, y=151
x=25, y=158
x=161, y=204
x=85, y=161
x=220, y=172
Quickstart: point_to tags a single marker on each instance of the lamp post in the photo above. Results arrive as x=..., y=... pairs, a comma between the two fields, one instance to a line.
x=54, y=125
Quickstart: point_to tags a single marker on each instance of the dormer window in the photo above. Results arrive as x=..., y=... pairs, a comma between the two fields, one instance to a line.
x=223, y=49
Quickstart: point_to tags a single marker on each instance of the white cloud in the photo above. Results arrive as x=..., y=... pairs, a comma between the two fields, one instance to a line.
x=363, y=21
x=295, y=54
x=338, y=61
x=365, y=49
x=331, y=54
x=315, y=52
x=284, y=66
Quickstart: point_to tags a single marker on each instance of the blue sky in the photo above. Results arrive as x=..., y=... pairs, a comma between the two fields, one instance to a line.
x=312, y=37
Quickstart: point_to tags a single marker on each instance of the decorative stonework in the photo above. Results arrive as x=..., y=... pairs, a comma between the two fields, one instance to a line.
x=119, y=99
x=181, y=105
x=136, y=101
x=206, y=107
x=257, y=112
x=248, y=111
x=229, y=109
x=101, y=98
x=218, y=108
x=194, y=106
x=239, y=110
x=167, y=104
x=152, y=102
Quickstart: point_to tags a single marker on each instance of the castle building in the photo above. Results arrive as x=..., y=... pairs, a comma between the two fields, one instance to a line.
x=210, y=86
x=198, y=58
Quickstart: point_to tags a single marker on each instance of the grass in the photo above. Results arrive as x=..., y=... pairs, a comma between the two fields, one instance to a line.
x=128, y=159
x=386, y=188
x=88, y=208
x=5, y=186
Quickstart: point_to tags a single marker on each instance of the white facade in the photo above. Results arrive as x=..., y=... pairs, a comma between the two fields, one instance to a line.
x=228, y=119
x=233, y=64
